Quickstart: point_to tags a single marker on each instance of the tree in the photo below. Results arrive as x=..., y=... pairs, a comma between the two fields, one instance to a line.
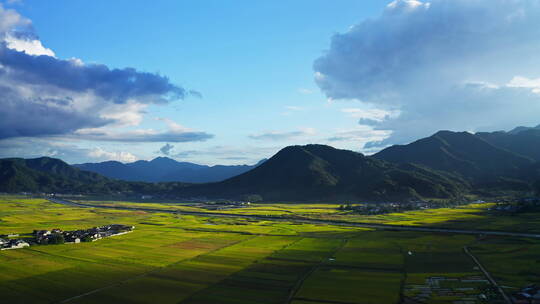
x=57, y=238
x=253, y=198
x=86, y=238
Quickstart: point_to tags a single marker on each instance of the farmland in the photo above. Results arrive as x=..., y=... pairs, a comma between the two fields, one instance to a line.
x=172, y=258
x=471, y=216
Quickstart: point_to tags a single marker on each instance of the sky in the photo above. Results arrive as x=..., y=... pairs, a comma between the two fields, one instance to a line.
x=232, y=82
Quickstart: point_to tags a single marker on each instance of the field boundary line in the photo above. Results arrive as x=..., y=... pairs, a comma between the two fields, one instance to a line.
x=488, y=275
x=314, y=268
x=228, y=276
x=157, y=269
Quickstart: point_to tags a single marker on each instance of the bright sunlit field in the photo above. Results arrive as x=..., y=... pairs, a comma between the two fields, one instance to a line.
x=173, y=258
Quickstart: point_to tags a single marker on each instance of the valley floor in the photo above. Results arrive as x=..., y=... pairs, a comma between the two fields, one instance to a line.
x=172, y=258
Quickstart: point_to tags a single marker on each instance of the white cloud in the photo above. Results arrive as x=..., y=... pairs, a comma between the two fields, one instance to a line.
x=356, y=138
x=128, y=114
x=370, y=116
x=102, y=155
x=524, y=82
x=41, y=95
x=406, y=5
x=29, y=46
x=444, y=64
x=284, y=135
x=173, y=126
x=10, y=19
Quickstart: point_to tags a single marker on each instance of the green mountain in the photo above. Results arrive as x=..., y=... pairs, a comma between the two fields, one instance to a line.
x=463, y=154
x=522, y=141
x=53, y=175
x=318, y=172
x=444, y=165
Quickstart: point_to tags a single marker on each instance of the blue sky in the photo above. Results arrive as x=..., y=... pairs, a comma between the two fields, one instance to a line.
x=271, y=74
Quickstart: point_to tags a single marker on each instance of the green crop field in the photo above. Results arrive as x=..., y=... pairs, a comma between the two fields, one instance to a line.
x=171, y=258
x=471, y=216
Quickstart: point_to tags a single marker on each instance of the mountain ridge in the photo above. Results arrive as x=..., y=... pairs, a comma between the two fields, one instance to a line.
x=164, y=169
x=323, y=172
x=445, y=165
x=461, y=153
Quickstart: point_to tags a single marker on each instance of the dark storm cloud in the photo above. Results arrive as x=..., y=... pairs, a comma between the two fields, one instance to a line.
x=43, y=96
x=115, y=85
x=20, y=117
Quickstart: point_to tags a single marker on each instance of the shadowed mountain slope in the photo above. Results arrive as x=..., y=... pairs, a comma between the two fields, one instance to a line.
x=52, y=175
x=315, y=172
x=525, y=142
x=461, y=153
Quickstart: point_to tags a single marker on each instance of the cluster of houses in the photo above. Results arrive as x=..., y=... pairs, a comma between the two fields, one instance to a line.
x=382, y=208
x=528, y=295
x=221, y=204
x=522, y=205
x=464, y=290
x=12, y=244
x=56, y=236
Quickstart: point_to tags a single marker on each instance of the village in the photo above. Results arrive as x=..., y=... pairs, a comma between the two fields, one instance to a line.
x=58, y=236
x=391, y=207
x=530, y=204
x=528, y=295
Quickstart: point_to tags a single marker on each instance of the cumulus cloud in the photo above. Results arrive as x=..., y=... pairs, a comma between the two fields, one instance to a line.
x=166, y=149
x=370, y=116
x=102, y=155
x=69, y=152
x=28, y=46
x=443, y=64
x=41, y=95
x=358, y=137
x=280, y=135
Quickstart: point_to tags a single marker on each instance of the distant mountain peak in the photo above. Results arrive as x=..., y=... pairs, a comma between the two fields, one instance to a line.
x=162, y=159
x=522, y=129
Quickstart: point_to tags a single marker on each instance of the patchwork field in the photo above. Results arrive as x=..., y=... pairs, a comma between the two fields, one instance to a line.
x=172, y=258
x=472, y=216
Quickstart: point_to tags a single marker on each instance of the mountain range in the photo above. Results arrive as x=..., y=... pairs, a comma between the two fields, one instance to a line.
x=315, y=172
x=50, y=175
x=163, y=169
x=444, y=165
x=463, y=154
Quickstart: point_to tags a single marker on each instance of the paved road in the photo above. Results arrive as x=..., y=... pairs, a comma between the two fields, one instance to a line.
x=488, y=275
x=311, y=221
